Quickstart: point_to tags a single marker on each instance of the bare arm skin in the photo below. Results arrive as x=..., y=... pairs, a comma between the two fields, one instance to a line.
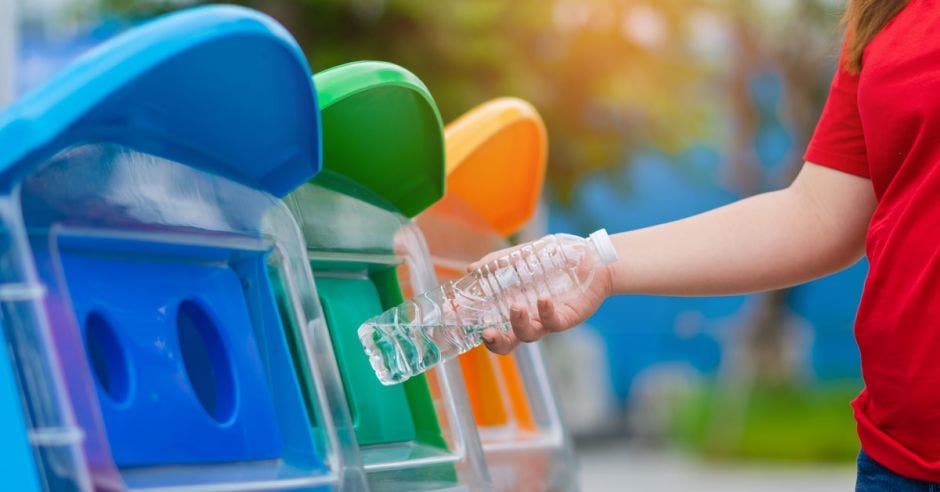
x=812, y=228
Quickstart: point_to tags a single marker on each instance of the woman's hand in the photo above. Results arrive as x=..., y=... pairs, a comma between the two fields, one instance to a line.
x=551, y=317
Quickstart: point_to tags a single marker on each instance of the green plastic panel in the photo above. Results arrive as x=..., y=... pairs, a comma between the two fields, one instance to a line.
x=381, y=414
x=382, y=129
x=419, y=396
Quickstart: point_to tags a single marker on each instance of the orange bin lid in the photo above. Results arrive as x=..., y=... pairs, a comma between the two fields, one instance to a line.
x=496, y=157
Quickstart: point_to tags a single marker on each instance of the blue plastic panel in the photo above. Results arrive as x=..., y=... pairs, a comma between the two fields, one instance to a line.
x=170, y=341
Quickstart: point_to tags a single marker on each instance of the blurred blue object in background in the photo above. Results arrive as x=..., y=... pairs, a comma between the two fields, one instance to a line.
x=642, y=331
x=41, y=55
x=829, y=305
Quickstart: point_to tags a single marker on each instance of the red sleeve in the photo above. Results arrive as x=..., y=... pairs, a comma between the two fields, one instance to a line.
x=838, y=141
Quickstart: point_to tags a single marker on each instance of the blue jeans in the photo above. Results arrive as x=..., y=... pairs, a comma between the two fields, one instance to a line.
x=872, y=477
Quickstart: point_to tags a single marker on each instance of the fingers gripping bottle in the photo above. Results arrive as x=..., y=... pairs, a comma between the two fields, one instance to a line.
x=449, y=320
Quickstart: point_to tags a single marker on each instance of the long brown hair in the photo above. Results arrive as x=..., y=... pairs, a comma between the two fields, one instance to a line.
x=863, y=20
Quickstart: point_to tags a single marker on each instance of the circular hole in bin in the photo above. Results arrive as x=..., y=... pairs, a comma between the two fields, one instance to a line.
x=206, y=361
x=107, y=356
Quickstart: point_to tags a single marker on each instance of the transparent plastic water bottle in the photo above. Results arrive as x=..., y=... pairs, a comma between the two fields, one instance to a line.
x=448, y=320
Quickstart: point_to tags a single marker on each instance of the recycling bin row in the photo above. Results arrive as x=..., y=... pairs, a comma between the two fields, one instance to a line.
x=193, y=230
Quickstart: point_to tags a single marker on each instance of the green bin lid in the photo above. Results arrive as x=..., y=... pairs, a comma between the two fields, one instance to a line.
x=382, y=130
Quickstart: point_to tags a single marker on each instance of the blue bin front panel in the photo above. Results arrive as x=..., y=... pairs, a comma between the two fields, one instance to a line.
x=179, y=375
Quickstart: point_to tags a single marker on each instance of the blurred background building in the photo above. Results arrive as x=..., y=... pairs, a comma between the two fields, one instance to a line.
x=656, y=110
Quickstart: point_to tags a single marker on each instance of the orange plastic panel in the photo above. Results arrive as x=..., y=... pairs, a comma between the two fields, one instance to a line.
x=483, y=389
x=515, y=389
x=496, y=156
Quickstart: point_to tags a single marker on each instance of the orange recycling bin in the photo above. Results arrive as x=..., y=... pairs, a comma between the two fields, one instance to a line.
x=496, y=157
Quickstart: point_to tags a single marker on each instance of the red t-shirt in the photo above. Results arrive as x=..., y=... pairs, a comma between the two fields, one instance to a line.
x=884, y=124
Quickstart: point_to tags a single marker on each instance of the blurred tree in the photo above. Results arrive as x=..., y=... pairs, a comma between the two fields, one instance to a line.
x=608, y=76
x=766, y=43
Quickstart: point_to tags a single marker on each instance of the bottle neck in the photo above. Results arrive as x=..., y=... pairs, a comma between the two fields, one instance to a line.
x=604, y=247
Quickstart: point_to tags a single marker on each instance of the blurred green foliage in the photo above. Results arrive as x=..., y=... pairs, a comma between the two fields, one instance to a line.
x=602, y=91
x=783, y=423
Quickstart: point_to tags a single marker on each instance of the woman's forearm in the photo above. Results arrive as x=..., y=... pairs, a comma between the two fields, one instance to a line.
x=769, y=241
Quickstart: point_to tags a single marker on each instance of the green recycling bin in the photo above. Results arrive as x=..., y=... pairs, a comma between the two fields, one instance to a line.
x=383, y=162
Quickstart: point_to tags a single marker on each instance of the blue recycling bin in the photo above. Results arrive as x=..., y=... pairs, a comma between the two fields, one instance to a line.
x=143, y=242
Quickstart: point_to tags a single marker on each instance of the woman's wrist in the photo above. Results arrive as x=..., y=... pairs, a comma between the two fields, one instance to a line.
x=618, y=278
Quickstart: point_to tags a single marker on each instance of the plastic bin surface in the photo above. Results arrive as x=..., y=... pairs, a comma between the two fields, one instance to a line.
x=17, y=465
x=145, y=232
x=496, y=165
x=383, y=161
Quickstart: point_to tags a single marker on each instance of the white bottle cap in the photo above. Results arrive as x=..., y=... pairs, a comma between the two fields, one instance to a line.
x=605, y=247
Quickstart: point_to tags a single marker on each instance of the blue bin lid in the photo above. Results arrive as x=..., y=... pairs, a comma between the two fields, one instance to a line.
x=223, y=89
